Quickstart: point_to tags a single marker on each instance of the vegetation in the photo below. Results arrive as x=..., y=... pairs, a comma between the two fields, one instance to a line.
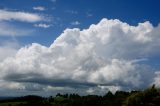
x=148, y=97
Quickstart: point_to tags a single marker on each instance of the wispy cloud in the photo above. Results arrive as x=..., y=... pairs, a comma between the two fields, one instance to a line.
x=42, y=25
x=75, y=23
x=6, y=15
x=89, y=14
x=53, y=1
x=39, y=8
x=7, y=29
x=71, y=11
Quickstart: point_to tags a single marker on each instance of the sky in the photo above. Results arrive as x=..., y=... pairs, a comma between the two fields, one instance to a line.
x=78, y=46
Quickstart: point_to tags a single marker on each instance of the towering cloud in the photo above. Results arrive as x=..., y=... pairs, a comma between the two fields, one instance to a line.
x=111, y=55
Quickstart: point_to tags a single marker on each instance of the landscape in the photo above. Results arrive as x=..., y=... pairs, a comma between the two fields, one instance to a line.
x=79, y=53
x=148, y=97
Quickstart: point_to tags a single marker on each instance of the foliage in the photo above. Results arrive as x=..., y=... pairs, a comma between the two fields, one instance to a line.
x=148, y=97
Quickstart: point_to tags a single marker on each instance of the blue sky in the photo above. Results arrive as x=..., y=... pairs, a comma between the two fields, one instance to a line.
x=78, y=46
x=62, y=13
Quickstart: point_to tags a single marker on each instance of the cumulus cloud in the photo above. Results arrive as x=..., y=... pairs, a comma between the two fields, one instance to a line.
x=39, y=8
x=8, y=49
x=42, y=25
x=157, y=79
x=6, y=15
x=109, y=55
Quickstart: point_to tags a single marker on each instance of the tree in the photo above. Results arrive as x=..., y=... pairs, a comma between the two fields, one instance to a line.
x=149, y=97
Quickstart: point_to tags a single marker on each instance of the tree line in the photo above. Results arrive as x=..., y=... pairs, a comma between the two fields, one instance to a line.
x=148, y=97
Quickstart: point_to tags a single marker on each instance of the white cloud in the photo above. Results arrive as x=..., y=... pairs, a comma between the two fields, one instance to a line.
x=7, y=29
x=106, y=56
x=157, y=79
x=39, y=8
x=8, y=49
x=6, y=15
x=75, y=23
x=42, y=25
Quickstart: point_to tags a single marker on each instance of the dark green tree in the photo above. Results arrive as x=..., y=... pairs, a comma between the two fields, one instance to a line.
x=149, y=97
